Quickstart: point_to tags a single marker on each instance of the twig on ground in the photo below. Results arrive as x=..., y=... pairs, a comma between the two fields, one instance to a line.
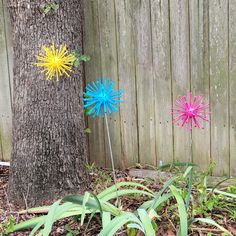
x=206, y=229
x=26, y=197
x=8, y=203
x=172, y=225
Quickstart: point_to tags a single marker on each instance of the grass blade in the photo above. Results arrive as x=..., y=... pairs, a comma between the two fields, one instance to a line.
x=106, y=219
x=136, y=226
x=122, y=184
x=212, y=222
x=93, y=204
x=182, y=211
x=166, y=185
x=231, y=195
x=146, y=222
x=86, y=198
x=50, y=218
x=189, y=172
x=221, y=182
x=117, y=223
x=125, y=192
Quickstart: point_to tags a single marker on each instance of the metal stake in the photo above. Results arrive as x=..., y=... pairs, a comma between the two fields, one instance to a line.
x=111, y=156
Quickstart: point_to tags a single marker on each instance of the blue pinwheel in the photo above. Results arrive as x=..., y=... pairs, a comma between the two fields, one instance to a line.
x=100, y=98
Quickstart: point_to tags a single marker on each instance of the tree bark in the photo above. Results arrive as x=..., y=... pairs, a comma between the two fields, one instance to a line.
x=49, y=144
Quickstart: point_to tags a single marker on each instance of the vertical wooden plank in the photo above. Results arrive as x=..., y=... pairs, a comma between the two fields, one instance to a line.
x=93, y=71
x=2, y=39
x=9, y=45
x=126, y=70
x=162, y=80
x=5, y=98
x=218, y=18
x=199, y=40
x=144, y=80
x=108, y=46
x=179, y=30
x=232, y=84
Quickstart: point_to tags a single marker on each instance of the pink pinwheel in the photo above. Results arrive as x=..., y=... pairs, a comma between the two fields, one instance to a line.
x=190, y=111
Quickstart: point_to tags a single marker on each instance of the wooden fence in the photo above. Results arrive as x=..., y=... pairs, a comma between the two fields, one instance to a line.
x=155, y=50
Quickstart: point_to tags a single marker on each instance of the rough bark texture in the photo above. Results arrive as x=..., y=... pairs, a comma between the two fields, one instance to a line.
x=49, y=144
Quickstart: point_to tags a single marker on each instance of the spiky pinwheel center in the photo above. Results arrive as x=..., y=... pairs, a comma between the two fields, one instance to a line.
x=55, y=61
x=103, y=95
x=190, y=111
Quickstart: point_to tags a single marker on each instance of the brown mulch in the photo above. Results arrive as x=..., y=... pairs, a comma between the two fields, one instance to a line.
x=128, y=203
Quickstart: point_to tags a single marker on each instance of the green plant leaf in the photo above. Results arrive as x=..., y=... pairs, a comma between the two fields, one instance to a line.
x=146, y=222
x=174, y=164
x=125, y=192
x=50, y=218
x=93, y=204
x=98, y=202
x=55, y=6
x=25, y=224
x=50, y=7
x=136, y=226
x=79, y=58
x=231, y=195
x=10, y=225
x=106, y=219
x=47, y=9
x=88, y=131
x=68, y=208
x=67, y=228
x=122, y=184
x=156, y=199
x=161, y=200
x=153, y=214
x=182, y=211
x=85, y=200
x=189, y=173
x=212, y=222
x=36, y=228
x=118, y=222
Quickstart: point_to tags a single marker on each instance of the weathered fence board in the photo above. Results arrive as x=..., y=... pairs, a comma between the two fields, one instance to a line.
x=126, y=69
x=9, y=47
x=232, y=84
x=5, y=91
x=179, y=30
x=218, y=39
x=162, y=80
x=144, y=80
x=199, y=60
x=155, y=51
x=92, y=47
x=108, y=44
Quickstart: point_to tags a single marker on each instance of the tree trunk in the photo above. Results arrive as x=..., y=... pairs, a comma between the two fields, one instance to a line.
x=49, y=144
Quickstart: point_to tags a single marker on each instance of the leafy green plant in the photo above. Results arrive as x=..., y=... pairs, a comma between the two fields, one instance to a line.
x=87, y=131
x=78, y=205
x=7, y=225
x=176, y=166
x=50, y=7
x=91, y=167
x=184, y=199
x=71, y=232
x=79, y=58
